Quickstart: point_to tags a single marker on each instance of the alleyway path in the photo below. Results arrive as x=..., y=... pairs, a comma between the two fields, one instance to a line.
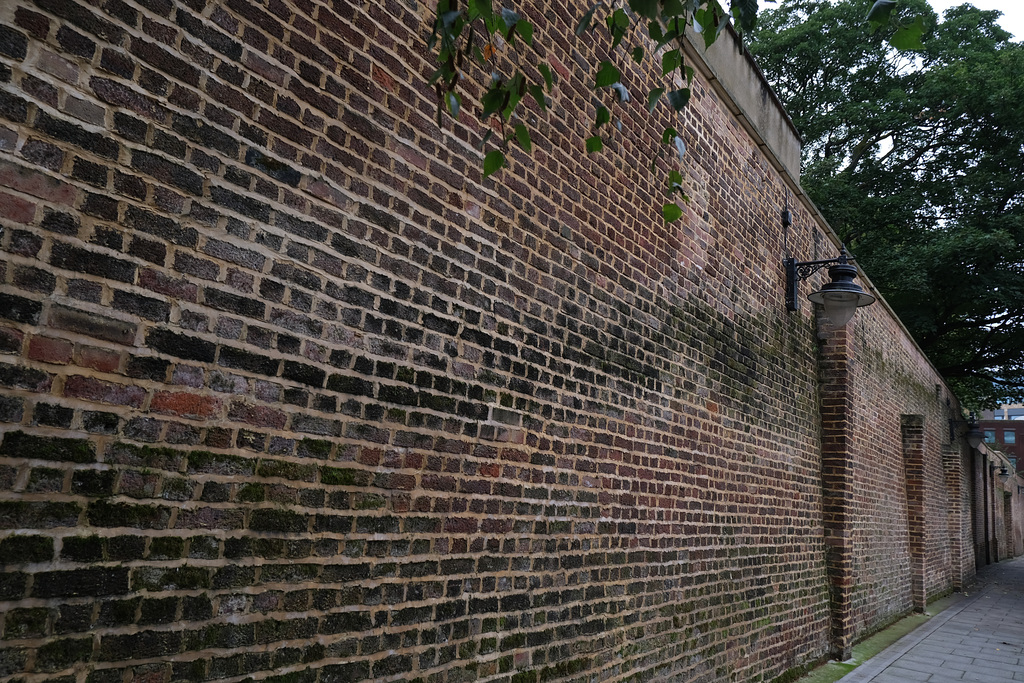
x=980, y=638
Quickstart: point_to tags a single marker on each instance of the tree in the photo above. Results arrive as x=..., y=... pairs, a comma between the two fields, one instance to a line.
x=916, y=160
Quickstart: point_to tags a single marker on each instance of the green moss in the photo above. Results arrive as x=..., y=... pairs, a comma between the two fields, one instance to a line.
x=369, y=501
x=341, y=476
x=314, y=448
x=220, y=463
x=26, y=623
x=286, y=470
x=251, y=493
x=19, y=549
x=166, y=548
x=21, y=445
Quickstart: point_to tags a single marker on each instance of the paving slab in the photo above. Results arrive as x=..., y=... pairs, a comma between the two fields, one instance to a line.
x=980, y=638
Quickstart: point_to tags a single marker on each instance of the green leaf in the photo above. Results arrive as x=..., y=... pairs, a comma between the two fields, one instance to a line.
x=546, y=73
x=679, y=98
x=668, y=136
x=480, y=9
x=670, y=62
x=672, y=8
x=653, y=97
x=538, y=95
x=594, y=144
x=908, y=38
x=603, y=116
x=607, y=75
x=675, y=179
x=671, y=212
x=523, y=136
x=453, y=104
x=655, y=32
x=881, y=11
x=745, y=12
x=487, y=136
x=638, y=54
x=493, y=100
x=648, y=9
x=618, y=24
x=588, y=16
x=525, y=29
x=494, y=160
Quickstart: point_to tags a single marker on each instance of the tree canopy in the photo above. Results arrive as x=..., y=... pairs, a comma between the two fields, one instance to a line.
x=917, y=161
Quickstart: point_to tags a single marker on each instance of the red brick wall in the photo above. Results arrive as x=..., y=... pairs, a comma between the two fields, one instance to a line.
x=290, y=393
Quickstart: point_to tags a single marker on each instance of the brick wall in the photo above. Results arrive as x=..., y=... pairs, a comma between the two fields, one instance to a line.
x=290, y=394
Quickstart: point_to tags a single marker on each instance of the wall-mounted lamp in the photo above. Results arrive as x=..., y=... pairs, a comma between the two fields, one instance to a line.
x=1020, y=489
x=974, y=433
x=1004, y=474
x=841, y=297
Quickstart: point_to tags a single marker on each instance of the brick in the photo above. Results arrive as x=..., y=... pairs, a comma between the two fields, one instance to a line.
x=185, y=405
x=17, y=209
x=84, y=261
x=88, y=388
x=92, y=325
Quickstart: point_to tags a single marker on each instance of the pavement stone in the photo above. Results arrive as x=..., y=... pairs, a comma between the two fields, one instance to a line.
x=980, y=638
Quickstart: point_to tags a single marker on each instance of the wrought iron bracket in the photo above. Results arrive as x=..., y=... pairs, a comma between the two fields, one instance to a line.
x=801, y=270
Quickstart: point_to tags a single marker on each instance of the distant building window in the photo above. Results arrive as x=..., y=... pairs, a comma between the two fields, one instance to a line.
x=1009, y=436
x=1013, y=464
x=990, y=436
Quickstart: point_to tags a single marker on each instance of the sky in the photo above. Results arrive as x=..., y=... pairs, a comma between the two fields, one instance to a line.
x=1013, y=12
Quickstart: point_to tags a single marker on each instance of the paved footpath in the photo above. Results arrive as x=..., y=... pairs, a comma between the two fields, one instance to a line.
x=980, y=638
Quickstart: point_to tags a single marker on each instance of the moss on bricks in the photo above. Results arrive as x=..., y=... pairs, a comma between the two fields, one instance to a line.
x=60, y=654
x=21, y=445
x=281, y=521
x=23, y=549
x=343, y=476
x=220, y=463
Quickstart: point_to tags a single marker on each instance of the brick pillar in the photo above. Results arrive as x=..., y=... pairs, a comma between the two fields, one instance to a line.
x=912, y=430
x=837, y=483
x=958, y=518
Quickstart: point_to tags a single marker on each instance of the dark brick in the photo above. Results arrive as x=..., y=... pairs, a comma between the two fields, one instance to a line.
x=106, y=514
x=243, y=205
x=272, y=167
x=83, y=261
x=19, y=309
x=83, y=19
x=142, y=645
x=159, y=226
x=242, y=305
x=12, y=43
x=21, y=445
x=82, y=549
x=143, y=306
x=19, y=549
x=181, y=346
x=167, y=171
x=63, y=653
x=76, y=135
x=81, y=582
x=100, y=422
x=94, y=483
x=53, y=415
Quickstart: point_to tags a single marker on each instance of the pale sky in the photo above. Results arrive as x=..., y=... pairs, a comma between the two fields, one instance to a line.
x=1013, y=12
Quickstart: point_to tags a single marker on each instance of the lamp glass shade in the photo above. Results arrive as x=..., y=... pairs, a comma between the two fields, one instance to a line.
x=1004, y=473
x=975, y=437
x=839, y=306
x=842, y=295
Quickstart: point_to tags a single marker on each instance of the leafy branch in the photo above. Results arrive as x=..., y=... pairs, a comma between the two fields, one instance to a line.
x=475, y=34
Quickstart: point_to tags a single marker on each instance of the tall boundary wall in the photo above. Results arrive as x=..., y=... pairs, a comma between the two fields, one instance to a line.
x=289, y=393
